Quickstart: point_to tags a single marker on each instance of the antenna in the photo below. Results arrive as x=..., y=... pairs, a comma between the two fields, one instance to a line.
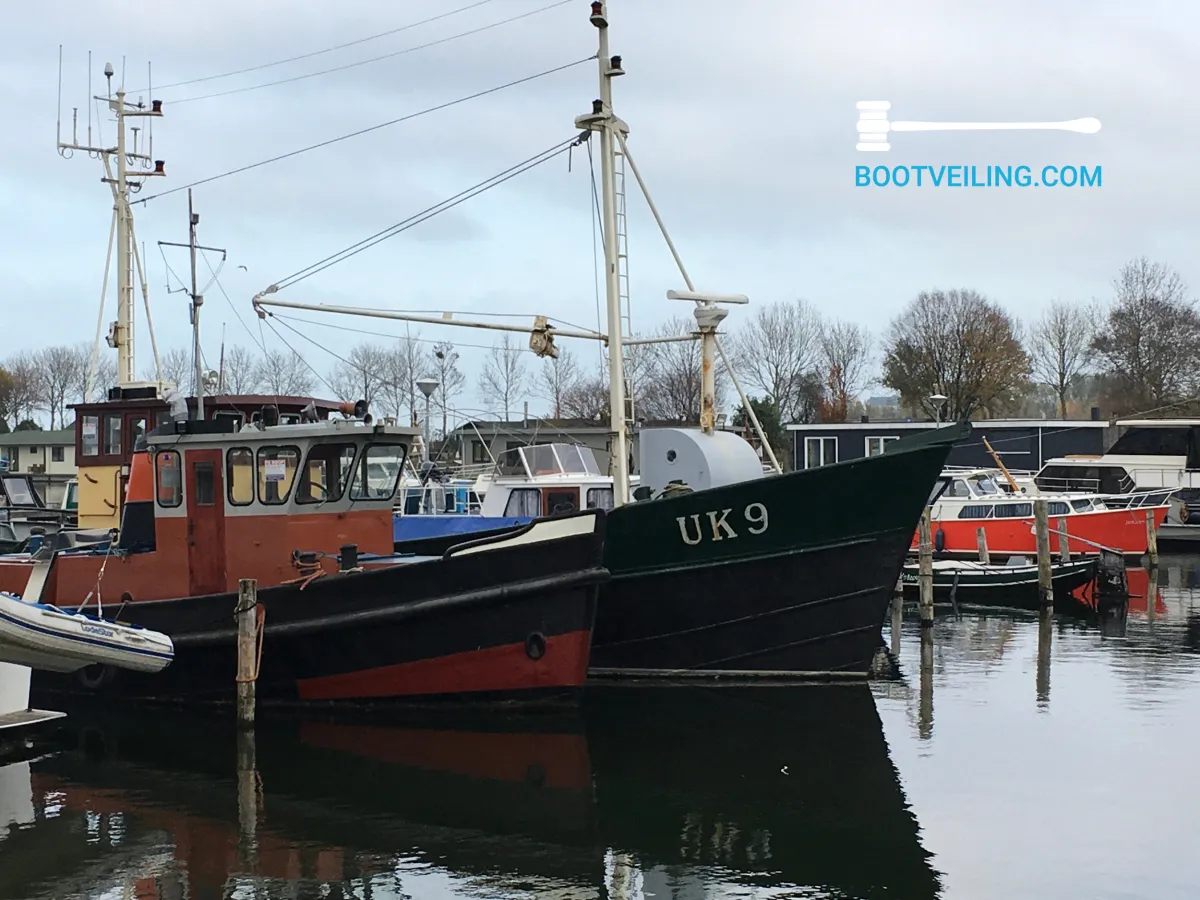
x=132, y=167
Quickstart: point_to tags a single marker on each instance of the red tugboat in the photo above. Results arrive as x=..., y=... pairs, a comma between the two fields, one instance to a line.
x=306, y=509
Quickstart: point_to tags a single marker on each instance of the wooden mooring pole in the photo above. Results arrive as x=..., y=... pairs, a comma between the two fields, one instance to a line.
x=247, y=650
x=1041, y=521
x=925, y=549
x=981, y=543
x=247, y=797
x=1151, y=538
x=1045, y=643
x=1064, y=543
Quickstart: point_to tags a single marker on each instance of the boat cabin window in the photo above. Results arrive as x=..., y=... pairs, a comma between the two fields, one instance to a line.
x=1057, y=508
x=378, y=471
x=542, y=460
x=137, y=429
x=600, y=498
x=112, y=435
x=277, y=467
x=976, y=511
x=524, y=502
x=238, y=419
x=89, y=440
x=168, y=478
x=1013, y=510
x=239, y=473
x=1084, y=505
x=71, y=500
x=985, y=485
x=326, y=473
x=511, y=463
x=958, y=488
x=19, y=492
x=206, y=487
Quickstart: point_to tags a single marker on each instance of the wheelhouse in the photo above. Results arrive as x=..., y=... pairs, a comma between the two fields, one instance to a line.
x=546, y=480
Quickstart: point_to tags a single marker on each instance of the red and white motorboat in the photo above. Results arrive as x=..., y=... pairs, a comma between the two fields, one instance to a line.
x=967, y=499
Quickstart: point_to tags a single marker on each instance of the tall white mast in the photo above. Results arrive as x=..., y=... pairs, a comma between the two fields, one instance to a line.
x=121, y=332
x=603, y=120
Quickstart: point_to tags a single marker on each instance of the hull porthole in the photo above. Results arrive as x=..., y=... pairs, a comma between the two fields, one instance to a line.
x=535, y=645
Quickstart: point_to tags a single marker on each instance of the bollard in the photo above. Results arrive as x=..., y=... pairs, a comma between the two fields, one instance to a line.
x=247, y=647
x=925, y=545
x=1151, y=538
x=1064, y=543
x=1042, y=528
x=981, y=543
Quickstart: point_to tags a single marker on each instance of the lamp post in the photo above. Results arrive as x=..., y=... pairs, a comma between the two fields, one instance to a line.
x=427, y=386
x=938, y=401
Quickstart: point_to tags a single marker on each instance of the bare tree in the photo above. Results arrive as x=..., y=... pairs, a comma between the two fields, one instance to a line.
x=60, y=371
x=285, y=374
x=1060, y=348
x=846, y=361
x=450, y=379
x=239, y=374
x=587, y=398
x=959, y=344
x=361, y=375
x=1150, y=349
x=559, y=377
x=776, y=348
x=402, y=364
x=673, y=386
x=177, y=369
x=503, y=378
x=23, y=400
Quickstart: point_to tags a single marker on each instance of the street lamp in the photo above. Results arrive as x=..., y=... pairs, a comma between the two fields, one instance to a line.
x=427, y=386
x=938, y=401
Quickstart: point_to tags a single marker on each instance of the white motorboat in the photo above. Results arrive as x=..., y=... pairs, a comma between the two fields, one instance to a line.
x=57, y=640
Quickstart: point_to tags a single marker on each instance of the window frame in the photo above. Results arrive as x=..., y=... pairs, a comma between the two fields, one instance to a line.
x=158, y=482
x=821, y=439
x=260, y=485
x=329, y=497
x=884, y=438
x=58, y=454
x=359, y=480
x=229, y=476
x=523, y=491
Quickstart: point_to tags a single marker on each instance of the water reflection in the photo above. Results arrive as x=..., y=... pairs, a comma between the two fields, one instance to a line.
x=680, y=792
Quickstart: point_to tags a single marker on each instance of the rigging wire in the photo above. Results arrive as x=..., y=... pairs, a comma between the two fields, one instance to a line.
x=374, y=59
x=382, y=334
x=280, y=62
x=362, y=131
x=427, y=213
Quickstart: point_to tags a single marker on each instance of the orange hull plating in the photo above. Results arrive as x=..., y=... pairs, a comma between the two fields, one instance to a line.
x=1119, y=529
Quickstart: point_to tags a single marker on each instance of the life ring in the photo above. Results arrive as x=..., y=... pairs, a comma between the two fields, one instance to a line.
x=95, y=676
x=535, y=645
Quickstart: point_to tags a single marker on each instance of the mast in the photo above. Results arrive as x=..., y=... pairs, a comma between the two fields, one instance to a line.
x=197, y=301
x=121, y=332
x=604, y=121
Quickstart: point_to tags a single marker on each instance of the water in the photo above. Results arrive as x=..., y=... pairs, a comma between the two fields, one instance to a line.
x=996, y=771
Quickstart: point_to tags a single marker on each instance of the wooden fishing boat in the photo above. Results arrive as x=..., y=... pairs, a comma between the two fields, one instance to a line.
x=342, y=617
x=1015, y=584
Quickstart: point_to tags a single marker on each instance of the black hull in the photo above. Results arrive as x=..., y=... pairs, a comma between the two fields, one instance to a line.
x=813, y=612
x=511, y=623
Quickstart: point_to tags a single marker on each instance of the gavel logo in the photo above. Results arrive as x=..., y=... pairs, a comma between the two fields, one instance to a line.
x=874, y=127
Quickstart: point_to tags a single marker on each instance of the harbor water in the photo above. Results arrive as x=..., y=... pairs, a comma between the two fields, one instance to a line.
x=1019, y=761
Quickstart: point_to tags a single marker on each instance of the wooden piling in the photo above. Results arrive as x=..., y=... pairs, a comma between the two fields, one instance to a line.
x=1042, y=528
x=897, y=623
x=247, y=650
x=1045, y=642
x=925, y=550
x=925, y=689
x=981, y=543
x=1064, y=543
x=247, y=798
x=1151, y=538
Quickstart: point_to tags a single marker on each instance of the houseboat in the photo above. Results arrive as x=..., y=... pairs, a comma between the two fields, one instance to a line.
x=342, y=618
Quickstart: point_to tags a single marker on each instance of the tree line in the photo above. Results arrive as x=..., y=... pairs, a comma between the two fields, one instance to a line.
x=1137, y=352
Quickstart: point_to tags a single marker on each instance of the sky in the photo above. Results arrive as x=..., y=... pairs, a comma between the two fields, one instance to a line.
x=742, y=121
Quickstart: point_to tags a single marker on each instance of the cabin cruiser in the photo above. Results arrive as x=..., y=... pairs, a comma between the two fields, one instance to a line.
x=24, y=514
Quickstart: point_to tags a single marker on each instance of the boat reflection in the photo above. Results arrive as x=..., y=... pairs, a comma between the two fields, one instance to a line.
x=705, y=787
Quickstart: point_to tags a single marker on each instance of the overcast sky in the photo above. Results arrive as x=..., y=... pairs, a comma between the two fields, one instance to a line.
x=742, y=119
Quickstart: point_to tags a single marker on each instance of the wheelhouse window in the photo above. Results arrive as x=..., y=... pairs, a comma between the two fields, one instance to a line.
x=1057, y=508
x=1083, y=505
x=524, y=502
x=326, y=473
x=378, y=471
x=875, y=445
x=137, y=429
x=819, y=451
x=89, y=436
x=239, y=473
x=600, y=498
x=112, y=436
x=168, y=478
x=19, y=492
x=958, y=488
x=277, y=467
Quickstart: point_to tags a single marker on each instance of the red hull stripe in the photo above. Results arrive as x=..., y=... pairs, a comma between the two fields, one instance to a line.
x=503, y=668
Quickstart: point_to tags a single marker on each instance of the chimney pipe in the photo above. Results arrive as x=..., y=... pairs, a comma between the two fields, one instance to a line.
x=1095, y=414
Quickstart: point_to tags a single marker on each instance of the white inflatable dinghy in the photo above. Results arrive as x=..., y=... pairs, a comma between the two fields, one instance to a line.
x=57, y=640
